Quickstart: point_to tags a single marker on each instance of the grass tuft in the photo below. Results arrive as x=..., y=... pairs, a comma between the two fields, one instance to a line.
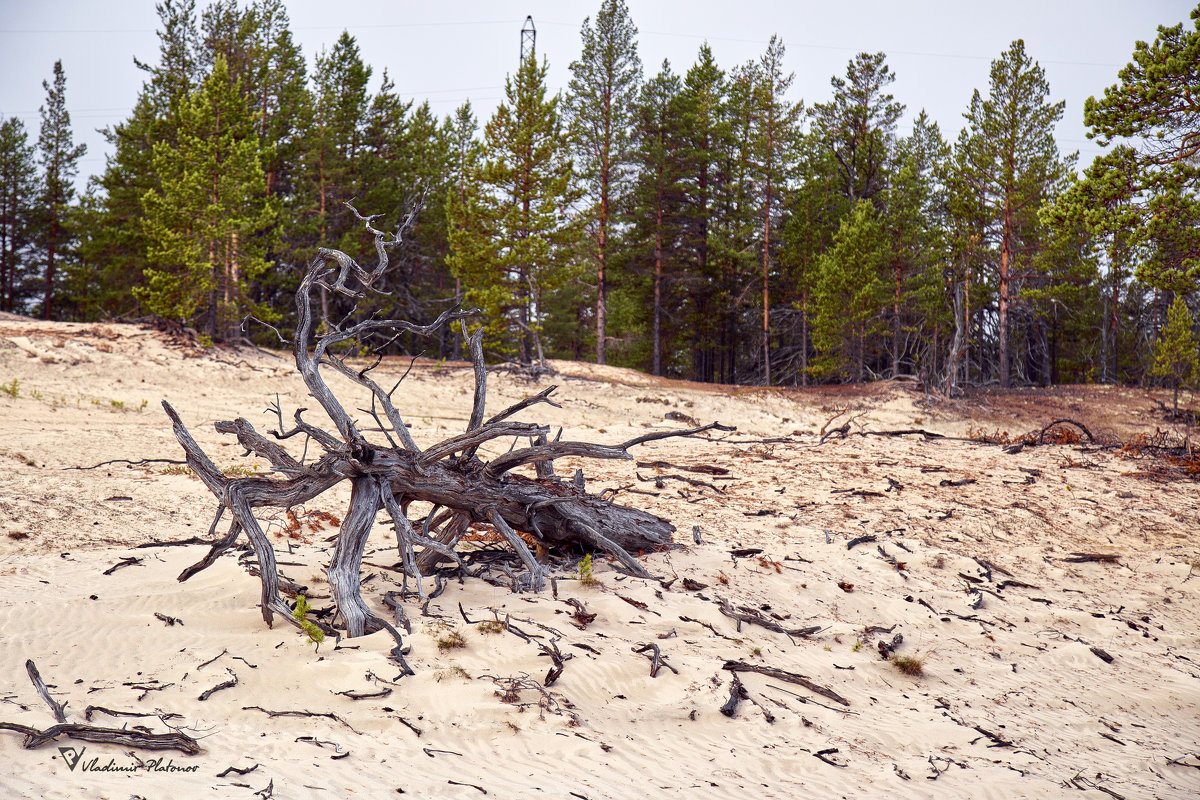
x=909, y=665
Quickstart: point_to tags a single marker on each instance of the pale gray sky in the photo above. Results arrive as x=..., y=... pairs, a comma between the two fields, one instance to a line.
x=447, y=52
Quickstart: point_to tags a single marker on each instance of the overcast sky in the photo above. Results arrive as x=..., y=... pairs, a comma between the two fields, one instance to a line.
x=450, y=51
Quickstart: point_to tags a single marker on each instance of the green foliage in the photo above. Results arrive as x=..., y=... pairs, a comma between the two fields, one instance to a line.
x=849, y=294
x=1154, y=172
x=18, y=214
x=59, y=158
x=12, y=388
x=450, y=640
x=913, y=666
x=300, y=613
x=512, y=239
x=1006, y=166
x=693, y=235
x=600, y=104
x=1175, y=352
x=858, y=124
x=209, y=225
x=586, y=578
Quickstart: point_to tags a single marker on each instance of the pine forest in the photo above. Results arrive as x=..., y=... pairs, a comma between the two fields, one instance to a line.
x=693, y=221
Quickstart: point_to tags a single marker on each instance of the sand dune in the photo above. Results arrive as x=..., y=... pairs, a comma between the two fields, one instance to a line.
x=1013, y=702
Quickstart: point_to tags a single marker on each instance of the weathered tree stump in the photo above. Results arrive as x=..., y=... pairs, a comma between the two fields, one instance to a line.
x=464, y=490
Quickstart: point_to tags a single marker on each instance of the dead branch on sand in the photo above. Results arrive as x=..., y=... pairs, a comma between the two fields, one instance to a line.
x=465, y=490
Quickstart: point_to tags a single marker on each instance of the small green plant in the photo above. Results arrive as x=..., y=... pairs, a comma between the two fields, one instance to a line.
x=175, y=469
x=857, y=645
x=300, y=612
x=490, y=626
x=909, y=665
x=450, y=640
x=239, y=470
x=118, y=405
x=586, y=577
x=36, y=395
x=11, y=389
x=206, y=341
x=757, y=651
x=142, y=407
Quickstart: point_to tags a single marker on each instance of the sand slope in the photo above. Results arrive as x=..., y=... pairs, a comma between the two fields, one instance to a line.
x=1013, y=702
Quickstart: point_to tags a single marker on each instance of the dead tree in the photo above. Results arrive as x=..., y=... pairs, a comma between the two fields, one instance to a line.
x=464, y=489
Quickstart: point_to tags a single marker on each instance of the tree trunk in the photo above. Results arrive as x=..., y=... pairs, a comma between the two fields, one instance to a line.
x=601, y=285
x=658, y=258
x=766, y=289
x=898, y=275
x=1002, y=316
x=804, y=337
x=48, y=302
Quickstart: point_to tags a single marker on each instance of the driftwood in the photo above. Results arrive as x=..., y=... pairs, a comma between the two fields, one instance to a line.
x=133, y=737
x=466, y=491
x=783, y=675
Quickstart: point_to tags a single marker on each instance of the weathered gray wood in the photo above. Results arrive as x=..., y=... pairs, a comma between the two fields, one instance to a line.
x=346, y=563
x=464, y=490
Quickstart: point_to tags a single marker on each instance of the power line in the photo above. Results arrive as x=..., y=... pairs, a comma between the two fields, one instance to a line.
x=808, y=46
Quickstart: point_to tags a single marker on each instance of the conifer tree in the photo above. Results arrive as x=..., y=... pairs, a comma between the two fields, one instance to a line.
x=914, y=223
x=207, y=225
x=113, y=248
x=1007, y=161
x=600, y=102
x=335, y=139
x=1152, y=111
x=704, y=138
x=511, y=237
x=849, y=294
x=1175, y=353
x=59, y=157
x=858, y=124
x=814, y=211
x=655, y=207
x=1102, y=200
x=18, y=210
x=776, y=131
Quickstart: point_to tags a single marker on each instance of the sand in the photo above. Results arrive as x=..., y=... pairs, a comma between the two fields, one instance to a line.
x=1013, y=702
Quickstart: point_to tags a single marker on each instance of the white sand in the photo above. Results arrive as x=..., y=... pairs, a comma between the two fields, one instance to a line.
x=1019, y=668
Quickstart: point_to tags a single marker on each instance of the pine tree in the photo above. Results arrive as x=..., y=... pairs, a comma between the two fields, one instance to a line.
x=849, y=294
x=914, y=222
x=335, y=142
x=776, y=132
x=1153, y=112
x=463, y=152
x=511, y=237
x=1007, y=160
x=1175, y=357
x=207, y=225
x=814, y=210
x=18, y=208
x=113, y=248
x=858, y=124
x=600, y=102
x=59, y=157
x=704, y=137
x=656, y=205
x=1102, y=200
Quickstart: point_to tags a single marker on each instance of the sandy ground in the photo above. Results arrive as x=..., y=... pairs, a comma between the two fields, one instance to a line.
x=1014, y=700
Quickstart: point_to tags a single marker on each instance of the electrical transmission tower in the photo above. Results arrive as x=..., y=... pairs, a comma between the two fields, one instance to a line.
x=528, y=39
